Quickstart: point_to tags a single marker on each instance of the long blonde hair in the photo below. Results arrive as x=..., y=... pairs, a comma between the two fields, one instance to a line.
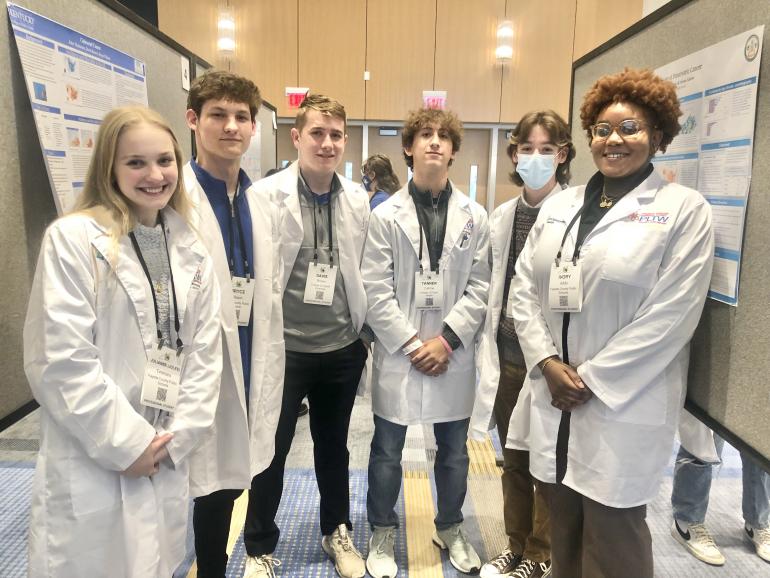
x=101, y=197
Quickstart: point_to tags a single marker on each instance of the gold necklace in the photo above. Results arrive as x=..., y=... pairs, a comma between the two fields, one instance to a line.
x=605, y=202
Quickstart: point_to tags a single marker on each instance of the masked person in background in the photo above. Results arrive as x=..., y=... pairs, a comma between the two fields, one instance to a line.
x=378, y=179
x=541, y=150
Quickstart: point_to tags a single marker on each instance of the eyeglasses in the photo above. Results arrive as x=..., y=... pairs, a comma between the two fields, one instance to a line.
x=628, y=128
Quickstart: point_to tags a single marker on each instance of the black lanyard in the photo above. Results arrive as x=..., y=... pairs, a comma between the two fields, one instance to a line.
x=179, y=344
x=419, y=224
x=236, y=224
x=579, y=244
x=315, y=231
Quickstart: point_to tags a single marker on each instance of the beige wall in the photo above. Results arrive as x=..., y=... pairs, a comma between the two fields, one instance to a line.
x=599, y=20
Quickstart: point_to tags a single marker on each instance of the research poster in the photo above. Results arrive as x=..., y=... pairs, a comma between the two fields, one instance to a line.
x=717, y=89
x=73, y=80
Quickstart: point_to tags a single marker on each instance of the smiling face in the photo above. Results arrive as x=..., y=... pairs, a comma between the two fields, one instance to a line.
x=320, y=144
x=617, y=156
x=145, y=170
x=431, y=149
x=223, y=130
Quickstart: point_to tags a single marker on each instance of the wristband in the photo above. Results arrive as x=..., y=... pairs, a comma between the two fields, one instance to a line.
x=413, y=346
x=445, y=343
x=547, y=361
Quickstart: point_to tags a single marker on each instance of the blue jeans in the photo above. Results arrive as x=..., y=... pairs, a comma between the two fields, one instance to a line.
x=385, y=472
x=692, y=483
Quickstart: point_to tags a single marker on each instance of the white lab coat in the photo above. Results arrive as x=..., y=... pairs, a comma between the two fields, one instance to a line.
x=351, y=218
x=400, y=393
x=488, y=359
x=646, y=271
x=89, y=325
x=242, y=445
x=697, y=439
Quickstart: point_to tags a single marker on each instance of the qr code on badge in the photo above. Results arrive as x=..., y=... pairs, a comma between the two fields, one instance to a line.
x=160, y=394
x=319, y=295
x=429, y=301
x=563, y=301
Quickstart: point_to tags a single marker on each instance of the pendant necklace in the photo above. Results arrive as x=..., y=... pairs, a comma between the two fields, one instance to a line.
x=605, y=202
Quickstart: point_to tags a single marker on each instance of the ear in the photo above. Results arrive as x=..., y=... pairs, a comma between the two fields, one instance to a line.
x=192, y=119
x=408, y=151
x=295, y=138
x=657, y=138
x=253, y=128
x=561, y=156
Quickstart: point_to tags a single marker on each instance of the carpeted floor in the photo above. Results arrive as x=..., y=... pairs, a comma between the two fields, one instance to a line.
x=299, y=548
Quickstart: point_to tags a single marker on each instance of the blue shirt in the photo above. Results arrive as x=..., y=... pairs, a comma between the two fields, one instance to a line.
x=216, y=192
x=378, y=198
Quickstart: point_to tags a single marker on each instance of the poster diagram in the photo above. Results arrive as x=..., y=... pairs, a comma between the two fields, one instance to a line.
x=73, y=80
x=717, y=89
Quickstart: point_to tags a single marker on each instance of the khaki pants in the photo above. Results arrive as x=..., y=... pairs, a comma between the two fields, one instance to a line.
x=591, y=540
x=525, y=500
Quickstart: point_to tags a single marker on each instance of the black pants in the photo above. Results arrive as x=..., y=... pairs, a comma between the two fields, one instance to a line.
x=329, y=380
x=211, y=522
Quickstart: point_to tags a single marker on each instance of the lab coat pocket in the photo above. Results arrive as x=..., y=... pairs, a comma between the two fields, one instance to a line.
x=634, y=253
x=93, y=488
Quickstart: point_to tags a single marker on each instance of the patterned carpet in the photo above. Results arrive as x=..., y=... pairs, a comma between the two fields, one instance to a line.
x=299, y=548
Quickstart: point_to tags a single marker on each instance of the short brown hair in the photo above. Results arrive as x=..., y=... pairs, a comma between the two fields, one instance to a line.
x=641, y=87
x=220, y=84
x=422, y=117
x=323, y=104
x=383, y=171
x=559, y=133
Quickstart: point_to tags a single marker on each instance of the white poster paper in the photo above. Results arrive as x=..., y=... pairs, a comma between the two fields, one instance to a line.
x=73, y=80
x=717, y=89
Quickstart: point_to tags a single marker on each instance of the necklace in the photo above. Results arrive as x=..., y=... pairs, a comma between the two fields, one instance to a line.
x=605, y=202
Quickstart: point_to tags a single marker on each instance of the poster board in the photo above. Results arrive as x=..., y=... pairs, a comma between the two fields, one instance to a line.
x=731, y=349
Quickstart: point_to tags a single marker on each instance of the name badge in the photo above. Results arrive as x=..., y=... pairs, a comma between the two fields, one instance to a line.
x=162, y=374
x=243, y=295
x=429, y=290
x=565, y=291
x=319, y=288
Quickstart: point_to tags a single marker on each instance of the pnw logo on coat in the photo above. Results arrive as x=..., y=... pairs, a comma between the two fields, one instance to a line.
x=654, y=218
x=197, y=280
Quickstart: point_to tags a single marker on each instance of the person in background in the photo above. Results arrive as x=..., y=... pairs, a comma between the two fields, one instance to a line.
x=378, y=179
x=122, y=351
x=700, y=451
x=541, y=150
x=607, y=294
x=240, y=229
x=325, y=217
x=426, y=275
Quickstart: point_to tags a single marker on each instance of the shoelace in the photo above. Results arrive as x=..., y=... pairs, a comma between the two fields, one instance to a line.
x=385, y=537
x=268, y=563
x=503, y=560
x=343, y=539
x=702, y=536
x=762, y=535
x=524, y=569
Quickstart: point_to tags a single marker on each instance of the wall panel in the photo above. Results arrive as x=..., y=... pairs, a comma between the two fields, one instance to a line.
x=332, y=46
x=599, y=20
x=465, y=57
x=539, y=75
x=400, y=40
x=192, y=23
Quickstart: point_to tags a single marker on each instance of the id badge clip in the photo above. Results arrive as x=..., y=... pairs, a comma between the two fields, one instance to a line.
x=243, y=296
x=565, y=290
x=162, y=375
x=319, y=288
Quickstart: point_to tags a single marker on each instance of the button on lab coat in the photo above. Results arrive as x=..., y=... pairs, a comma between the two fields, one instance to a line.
x=646, y=270
x=89, y=326
x=400, y=393
x=239, y=446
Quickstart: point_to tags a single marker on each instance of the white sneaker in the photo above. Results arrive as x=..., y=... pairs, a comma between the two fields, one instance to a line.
x=462, y=555
x=501, y=565
x=260, y=566
x=347, y=560
x=698, y=541
x=760, y=537
x=381, y=561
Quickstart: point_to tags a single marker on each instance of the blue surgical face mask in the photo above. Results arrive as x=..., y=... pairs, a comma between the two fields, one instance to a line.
x=536, y=169
x=366, y=181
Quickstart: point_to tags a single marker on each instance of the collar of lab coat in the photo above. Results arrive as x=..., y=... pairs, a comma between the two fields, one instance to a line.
x=458, y=215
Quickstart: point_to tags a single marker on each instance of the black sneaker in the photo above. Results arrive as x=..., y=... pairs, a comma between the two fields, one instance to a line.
x=501, y=565
x=531, y=569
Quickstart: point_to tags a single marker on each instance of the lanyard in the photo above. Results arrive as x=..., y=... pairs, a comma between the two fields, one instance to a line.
x=435, y=206
x=576, y=252
x=236, y=224
x=315, y=231
x=179, y=344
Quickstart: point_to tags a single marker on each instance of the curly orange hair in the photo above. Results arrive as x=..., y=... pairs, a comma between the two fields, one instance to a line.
x=641, y=87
